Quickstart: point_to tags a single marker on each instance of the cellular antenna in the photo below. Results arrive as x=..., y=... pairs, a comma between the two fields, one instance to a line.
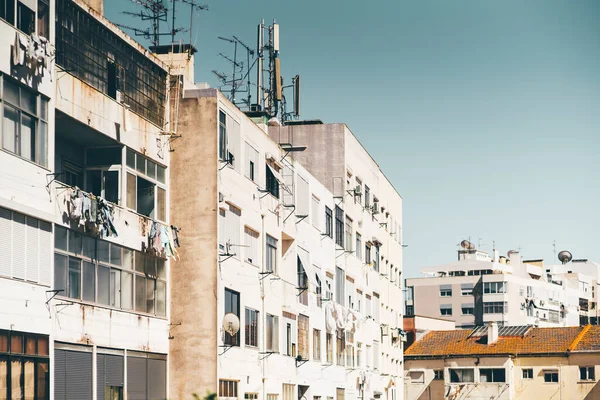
x=240, y=72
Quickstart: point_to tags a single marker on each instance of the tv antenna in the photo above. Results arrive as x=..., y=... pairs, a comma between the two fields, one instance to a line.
x=156, y=11
x=239, y=68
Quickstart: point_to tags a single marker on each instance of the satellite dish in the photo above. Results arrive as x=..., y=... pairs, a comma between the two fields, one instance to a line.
x=231, y=324
x=565, y=256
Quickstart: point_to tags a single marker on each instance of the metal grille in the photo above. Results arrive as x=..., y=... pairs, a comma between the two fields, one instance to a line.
x=91, y=52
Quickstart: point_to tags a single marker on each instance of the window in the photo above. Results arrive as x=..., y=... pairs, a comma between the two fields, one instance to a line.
x=376, y=307
x=495, y=307
x=446, y=309
x=228, y=389
x=251, y=162
x=104, y=183
x=551, y=376
x=316, y=345
x=303, y=337
x=290, y=338
x=339, y=393
x=340, y=281
x=271, y=396
x=272, y=328
x=462, y=375
x=7, y=11
x=24, y=366
x=252, y=244
x=348, y=239
x=25, y=18
x=272, y=184
x=417, y=376
x=466, y=289
x=328, y=222
x=318, y=289
x=350, y=292
x=494, y=287
x=146, y=190
x=467, y=309
x=438, y=375
x=302, y=199
x=223, y=153
x=251, y=332
x=410, y=311
x=316, y=212
x=495, y=375
x=368, y=253
x=587, y=374
x=340, y=342
x=367, y=197
x=250, y=396
x=359, y=357
x=339, y=226
x=96, y=271
x=369, y=361
x=232, y=305
x=43, y=18
x=554, y=316
x=24, y=128
x=302, y=282
x=445, y=291
x=329, y=347
x=527, y=373
x=376, y=260
x=288, y=392
x=358, y=246
x=349, y=349
x=376, y=356
x=271, y=255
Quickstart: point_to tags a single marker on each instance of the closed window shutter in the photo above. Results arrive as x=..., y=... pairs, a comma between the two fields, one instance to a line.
x=100, y=375
x=46, y=250
x=5, y=244
x=109, y=372
x=157, y=379
x=19, y=249
x=136, y=378
x=33, y=250
x=60, y=375
x=79, y=375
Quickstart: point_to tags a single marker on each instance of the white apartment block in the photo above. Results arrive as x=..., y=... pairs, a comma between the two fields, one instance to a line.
x=312, y=275
x=479, y=289
x=83, y=177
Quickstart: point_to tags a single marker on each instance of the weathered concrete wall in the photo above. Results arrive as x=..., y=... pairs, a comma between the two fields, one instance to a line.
x=193, y=347
x=324, y=157
x=97, y=5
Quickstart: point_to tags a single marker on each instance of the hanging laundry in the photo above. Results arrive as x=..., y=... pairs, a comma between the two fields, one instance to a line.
x=91, y=212
x=175, y=232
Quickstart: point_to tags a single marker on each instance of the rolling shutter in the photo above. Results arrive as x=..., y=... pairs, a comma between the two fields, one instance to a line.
x=109, y=372
x=5, y=245
x=157, y=379
x=136, y=378
x=60, y=377
x=72, y=375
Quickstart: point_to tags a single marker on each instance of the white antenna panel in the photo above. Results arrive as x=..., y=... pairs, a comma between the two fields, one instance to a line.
x=276, y=37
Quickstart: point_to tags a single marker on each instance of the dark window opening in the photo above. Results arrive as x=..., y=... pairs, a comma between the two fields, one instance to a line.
x=25, y=18
x=339, y=226
x=232, y=305
x=272, y=184
x=7, y=11
x=328, y=222
x=43, y=18
x=145, y=197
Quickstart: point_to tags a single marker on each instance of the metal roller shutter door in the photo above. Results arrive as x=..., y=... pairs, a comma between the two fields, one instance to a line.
x=157, y=379
x=136, y=378
x=72, y=375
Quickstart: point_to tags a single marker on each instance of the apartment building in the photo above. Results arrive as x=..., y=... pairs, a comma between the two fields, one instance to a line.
x=308, y=272
x=84, y=184
x=504, y=363
x=479, y=288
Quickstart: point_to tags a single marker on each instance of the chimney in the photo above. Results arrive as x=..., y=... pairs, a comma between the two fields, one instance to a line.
x=492, y=335
x=496, y=256
x=96, y=5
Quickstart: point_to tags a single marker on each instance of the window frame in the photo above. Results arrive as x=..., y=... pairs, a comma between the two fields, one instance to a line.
x=339, y=226
x=589, y=372
x=492, y=373
x=228, y=340
x=155, y=181
x=460, y=375
x=527, y=373
x=549, y=376
x=328, y=222
x=271, y=245
x=251, y=332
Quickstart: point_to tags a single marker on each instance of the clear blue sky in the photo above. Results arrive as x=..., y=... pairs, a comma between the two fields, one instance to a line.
x=485, y=115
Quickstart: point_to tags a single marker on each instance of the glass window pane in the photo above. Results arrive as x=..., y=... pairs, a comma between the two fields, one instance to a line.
x=11, y=128
x=16, y=343
x=103, y=285
x=3, y=378
x=3, y=345
x=30, y=345
x=140, y=260
x=60, y=238
x=42, y=346
x=131, y=191
x=28, y=101
x=93, y=182
x=140, y=293
x=27, y=137
x=161, y=298
x=150, y=296
x=15, y=375
x=115, y=254
x=102, y=249
x=43, y=373
x=161, y=270
x=11, y=91
x=74, y=242
x=89, y=247
x=42, y=144
x=130, y=158
x=161, y=204
x=111, y=186
x=115, y=288
x=127, y=258
x=126, y=291
x=140, y=164
x=25, y=19
x=43, y=104
x=145, y=197
x=151, y=169
x=29, y=380
x=160, y=174
x=89, y=282
x=107, y=156
x=60, y=273
x=74, y=284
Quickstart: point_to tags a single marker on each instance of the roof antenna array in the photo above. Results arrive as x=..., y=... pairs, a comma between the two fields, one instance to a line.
x=239, y=80
x=156, y=11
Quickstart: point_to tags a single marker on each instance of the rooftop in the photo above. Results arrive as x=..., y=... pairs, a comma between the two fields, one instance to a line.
x=511, y=341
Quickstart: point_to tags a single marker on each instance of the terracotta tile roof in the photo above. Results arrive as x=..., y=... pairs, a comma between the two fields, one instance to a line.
x=536, y=341
x=590, y=341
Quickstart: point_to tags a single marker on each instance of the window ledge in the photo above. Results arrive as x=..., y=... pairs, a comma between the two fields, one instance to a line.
x=23, y=158
x=586, y=381
x=104, y=306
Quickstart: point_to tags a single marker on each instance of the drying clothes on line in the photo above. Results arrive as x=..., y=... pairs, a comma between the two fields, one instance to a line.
x=91, y=212
x=163, y=240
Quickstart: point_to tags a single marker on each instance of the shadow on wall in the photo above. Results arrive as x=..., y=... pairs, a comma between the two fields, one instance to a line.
x=594, y=394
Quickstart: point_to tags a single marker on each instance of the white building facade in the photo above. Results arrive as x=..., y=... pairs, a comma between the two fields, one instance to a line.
x=83, y=179
x=479, y=289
